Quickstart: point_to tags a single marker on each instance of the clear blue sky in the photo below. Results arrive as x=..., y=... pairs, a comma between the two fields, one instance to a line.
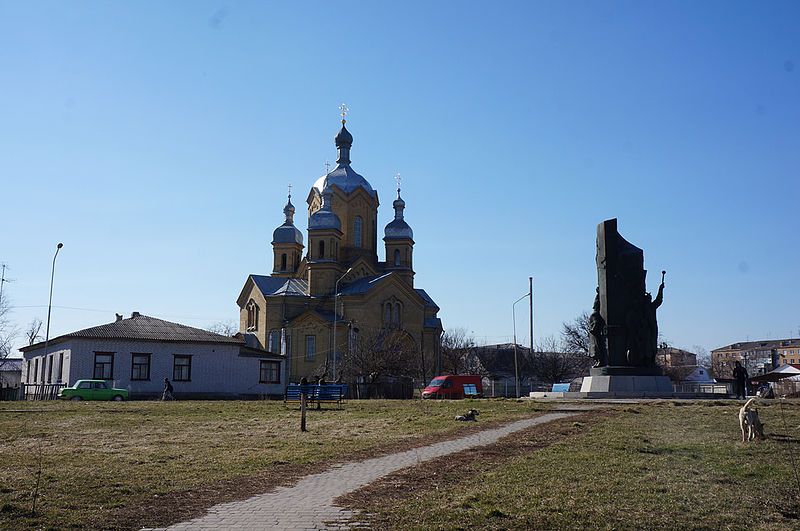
x=156, y=140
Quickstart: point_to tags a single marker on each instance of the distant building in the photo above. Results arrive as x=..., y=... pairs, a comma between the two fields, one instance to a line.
x=139, y=352
x=10, y=372
x=675, y=357
x=758, y=357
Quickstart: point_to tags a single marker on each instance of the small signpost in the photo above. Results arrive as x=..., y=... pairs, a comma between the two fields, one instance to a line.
x=303, y=400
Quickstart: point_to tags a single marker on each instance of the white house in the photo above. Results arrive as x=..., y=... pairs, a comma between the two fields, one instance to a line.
x=140, y=352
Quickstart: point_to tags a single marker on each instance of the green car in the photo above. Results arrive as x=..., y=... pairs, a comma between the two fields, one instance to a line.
x=93, y=390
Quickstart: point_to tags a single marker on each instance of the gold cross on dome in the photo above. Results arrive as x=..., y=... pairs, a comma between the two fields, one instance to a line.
x=290, y=190
x=327, y=167
x=344, y=110
x=398, y=179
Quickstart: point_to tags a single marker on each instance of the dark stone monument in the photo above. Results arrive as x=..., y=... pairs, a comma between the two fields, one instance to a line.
x=623, y=327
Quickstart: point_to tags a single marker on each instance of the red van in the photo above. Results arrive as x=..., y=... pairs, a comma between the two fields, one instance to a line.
x=454, y=386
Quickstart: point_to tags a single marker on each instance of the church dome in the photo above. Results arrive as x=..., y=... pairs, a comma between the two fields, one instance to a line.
x=398, y=229
x=343, y=176
x=288, y=233
x=324, y=218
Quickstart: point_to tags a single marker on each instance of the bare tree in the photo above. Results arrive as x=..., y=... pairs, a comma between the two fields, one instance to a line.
x=379, y=352
x=575, y=335
x=8, y=332
x=32, y=332
x=554, y=362
x=458, y=352
x=223, y=328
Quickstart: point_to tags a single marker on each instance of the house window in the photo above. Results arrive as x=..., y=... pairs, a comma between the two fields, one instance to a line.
x=103, y=365
x=28, y=371
x=140, y=366
x=252, y=316
x=311, y=347
x=270, y=372
x=60, y=366
x=50, y=369
x=397, y=257
x=182, y=368
x=357, y=224
x=275, y=341
x=35, y=369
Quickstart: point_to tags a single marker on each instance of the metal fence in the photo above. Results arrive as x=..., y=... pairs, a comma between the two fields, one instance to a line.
x=720, y=389
x=41, y=391
x=10, y=393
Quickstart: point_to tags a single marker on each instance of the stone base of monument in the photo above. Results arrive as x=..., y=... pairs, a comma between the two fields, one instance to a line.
x=626, y=382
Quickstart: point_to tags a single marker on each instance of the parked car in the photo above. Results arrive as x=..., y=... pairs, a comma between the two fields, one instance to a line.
x=454, y=386
x=93, y=390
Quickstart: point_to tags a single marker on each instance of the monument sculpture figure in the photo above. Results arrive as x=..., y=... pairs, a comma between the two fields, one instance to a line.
x=623, y=326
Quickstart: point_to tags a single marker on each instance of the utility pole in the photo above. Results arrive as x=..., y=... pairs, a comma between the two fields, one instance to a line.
x=3, y=280
x=530, y=287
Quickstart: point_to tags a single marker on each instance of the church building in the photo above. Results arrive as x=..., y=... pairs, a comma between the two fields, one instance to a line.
x=291, y=311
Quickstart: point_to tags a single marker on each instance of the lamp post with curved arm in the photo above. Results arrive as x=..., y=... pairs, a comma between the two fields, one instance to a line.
x=514, y=318
x=336, y=316
x=50, y=307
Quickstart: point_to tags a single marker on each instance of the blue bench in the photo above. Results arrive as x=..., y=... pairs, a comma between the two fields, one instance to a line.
x=316, y=394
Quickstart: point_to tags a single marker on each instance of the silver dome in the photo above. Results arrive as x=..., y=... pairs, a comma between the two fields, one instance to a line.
x=324, y=218
x=346, y=179
x=287, y=233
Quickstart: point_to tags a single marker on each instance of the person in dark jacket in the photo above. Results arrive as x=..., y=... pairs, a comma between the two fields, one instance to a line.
x=740, y=380
x=167, y=394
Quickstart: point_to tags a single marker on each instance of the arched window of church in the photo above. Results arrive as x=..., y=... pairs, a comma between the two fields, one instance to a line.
x=387, y=314
x=321, y=250
x=252, y=316
x=283, y=262
x=396, y=317
x=357, y=226
x=397, y=257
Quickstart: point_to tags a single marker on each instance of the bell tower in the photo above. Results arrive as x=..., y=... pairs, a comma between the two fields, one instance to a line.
x=287, y=244
x=399, y=240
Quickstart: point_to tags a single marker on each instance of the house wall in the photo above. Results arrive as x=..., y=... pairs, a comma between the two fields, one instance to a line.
x=217, y=370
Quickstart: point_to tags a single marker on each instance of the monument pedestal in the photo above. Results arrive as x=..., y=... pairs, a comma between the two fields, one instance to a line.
x=627, y=382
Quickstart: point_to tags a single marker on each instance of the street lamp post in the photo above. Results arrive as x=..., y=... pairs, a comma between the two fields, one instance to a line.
x=514, y=318
x=335, y=317
x=50, y=306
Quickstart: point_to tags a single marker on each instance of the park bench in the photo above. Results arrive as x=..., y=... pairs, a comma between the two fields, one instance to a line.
x=316, y=394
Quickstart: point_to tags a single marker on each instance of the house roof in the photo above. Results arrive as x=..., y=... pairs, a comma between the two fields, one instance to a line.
x=275, y=286
x=143, y=327
x=11, y=365
x=767, y=344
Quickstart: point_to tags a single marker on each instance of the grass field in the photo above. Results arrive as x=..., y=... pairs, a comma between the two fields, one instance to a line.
x=664, y=465
x=133, y=464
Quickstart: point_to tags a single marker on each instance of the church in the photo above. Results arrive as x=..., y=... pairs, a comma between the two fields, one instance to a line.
x=332, y=308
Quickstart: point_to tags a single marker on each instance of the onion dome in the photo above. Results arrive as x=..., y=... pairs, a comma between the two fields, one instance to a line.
x=324, y=218
x=343, y=175
x=288, y=233
x=398, y=229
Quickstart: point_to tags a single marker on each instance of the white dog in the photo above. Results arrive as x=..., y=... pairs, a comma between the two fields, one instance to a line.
x=749, y=422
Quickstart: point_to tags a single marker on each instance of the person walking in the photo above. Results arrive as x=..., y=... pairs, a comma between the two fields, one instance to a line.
x=167, y=394
x=740, y=380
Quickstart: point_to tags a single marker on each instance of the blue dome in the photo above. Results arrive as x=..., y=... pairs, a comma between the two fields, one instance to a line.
x=398, y=229
x=346, y=179
x=324, y=219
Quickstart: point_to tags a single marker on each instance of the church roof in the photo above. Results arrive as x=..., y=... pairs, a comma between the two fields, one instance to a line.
x=143, y=327
x=287, y=233
x=362, y=285
x=280, y=286
x=428, y=301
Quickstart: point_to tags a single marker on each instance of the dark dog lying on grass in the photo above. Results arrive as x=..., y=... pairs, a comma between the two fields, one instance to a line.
x=471, y=414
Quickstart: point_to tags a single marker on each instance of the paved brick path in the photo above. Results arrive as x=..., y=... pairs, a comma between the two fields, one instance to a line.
x=309, y=503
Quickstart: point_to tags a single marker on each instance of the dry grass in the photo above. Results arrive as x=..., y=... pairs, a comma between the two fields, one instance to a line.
x=663, y=465
x=133, y=464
